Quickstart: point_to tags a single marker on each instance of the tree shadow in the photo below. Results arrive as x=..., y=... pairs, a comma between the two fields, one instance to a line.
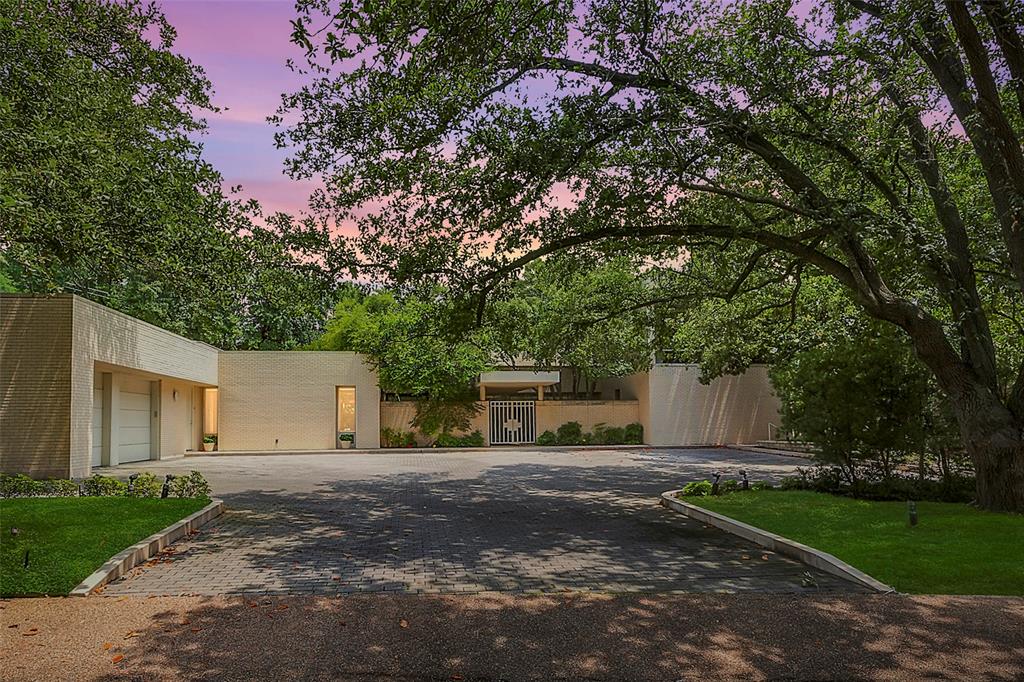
x=517, y=527
x=636, y=637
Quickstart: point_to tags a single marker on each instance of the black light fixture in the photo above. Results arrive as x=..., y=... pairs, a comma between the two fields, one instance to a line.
x=131, y=483
x=744, y=484
x=912, y=512
x=714, y=486
x=166, y=489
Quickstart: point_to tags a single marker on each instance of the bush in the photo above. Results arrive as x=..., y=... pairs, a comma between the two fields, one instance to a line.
x=697, y=489
x=396, y=438
x=191, y=485
x=18, y=485
x=104, y=486
x=760, y=485
x=570, y=433
x=145, y=485
x=470, y=440
x=634, y=434
x=59, y=487
x=547, y=438
x=826, y=479
x=608, y=435
x=729, y=485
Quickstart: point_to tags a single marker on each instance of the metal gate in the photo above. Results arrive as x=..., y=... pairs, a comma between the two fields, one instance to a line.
x=512, y=422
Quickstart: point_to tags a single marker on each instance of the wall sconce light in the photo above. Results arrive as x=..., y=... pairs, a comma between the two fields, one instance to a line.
x=174, y=395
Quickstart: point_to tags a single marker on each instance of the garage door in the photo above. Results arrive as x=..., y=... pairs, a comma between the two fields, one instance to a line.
x=134, y=427
x=97, y=427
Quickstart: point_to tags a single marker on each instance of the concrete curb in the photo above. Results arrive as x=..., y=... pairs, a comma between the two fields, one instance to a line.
x=420, y=451
x=771, y=451
x=810, y=556
x=141, y=551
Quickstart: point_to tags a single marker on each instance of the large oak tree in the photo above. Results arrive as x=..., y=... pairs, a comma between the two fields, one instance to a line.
x=877, y=142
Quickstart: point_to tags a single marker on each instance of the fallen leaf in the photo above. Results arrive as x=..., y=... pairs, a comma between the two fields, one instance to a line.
x=30, y=633
x=254, y=605
x=196, y=629
x=745, y=557
x=403, y=623
x=117, y=659
x=13, y=626
x=282, y=607
x=107, y=646
x=457, y=676
x=764, y=557
x=131, y=634
x=334, y=577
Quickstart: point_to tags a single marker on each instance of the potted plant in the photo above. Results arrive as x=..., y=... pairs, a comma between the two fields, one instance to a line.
x=345, y=440
x=209, y=442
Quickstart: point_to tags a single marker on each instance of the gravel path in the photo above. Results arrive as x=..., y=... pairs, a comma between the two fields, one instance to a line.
x=508, y=637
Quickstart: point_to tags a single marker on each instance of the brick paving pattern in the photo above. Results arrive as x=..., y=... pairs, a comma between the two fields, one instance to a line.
x=452, y=523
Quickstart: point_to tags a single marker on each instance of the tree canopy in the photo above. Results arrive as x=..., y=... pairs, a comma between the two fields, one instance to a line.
x=104, y=192
x=746, y=147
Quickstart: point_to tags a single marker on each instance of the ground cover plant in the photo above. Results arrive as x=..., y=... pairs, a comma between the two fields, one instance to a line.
x=953, y=549
x=60, y=541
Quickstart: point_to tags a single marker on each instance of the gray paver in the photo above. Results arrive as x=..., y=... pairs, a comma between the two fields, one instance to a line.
x=510, y=521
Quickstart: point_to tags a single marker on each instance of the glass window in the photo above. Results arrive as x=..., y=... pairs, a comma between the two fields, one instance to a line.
x=346, y=409
x=210, y=411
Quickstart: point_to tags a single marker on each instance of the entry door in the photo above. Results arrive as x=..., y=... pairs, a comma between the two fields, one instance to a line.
x=512, y=422
x=134, y=420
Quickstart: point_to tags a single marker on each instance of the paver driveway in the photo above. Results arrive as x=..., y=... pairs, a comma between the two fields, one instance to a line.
x=516, y=520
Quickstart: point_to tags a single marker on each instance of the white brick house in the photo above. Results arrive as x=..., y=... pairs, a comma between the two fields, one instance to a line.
x=82, y=385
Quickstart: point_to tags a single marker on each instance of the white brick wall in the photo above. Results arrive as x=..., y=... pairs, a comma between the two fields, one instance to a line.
x=286, y=400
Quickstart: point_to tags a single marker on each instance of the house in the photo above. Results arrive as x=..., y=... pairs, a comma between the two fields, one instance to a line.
x=85, y=386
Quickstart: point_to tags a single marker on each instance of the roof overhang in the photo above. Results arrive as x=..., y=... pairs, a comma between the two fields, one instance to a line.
x=519, y=379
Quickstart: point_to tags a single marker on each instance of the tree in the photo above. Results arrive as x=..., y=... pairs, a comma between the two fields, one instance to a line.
x=104, y=193
x=876, y=142
x=861, y=401
x=580, y=316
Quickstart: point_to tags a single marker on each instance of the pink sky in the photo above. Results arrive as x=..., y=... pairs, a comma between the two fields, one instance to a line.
x=242, y=45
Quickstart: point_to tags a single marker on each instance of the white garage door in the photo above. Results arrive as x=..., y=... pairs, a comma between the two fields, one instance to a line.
x=97, y=427
x=134, y=431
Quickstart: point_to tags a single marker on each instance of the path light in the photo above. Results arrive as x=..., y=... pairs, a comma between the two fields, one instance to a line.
x=912, y=512
x=166, y=489
x=714, y=486
x=744, y=484
x=14, y=531
x=131, y=483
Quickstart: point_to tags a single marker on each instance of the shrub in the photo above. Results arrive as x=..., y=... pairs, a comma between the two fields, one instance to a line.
x=830, y=480
x=191, y=485
x=570, y=433
x=608, y=435
x=396, y=438
x=547, y=438
x=634, y=434
x=59, y=487
x=760, y=485
x=210, y=438
x=697, y=489
x=729, y=485
x=470, y=440
x=145, y=485
x=18, y=485
x=104, y=486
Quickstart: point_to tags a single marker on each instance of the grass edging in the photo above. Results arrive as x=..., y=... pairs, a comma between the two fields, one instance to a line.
x=142, y=551
x=813, y=557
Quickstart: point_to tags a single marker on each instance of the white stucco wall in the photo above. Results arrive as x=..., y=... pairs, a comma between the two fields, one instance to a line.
x=731, y=409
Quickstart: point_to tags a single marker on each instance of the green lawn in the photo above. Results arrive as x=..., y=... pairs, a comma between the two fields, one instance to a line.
x=954, y=549
x=70, y=537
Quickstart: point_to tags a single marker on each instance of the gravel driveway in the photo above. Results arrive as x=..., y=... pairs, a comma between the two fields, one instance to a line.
x=500, y=520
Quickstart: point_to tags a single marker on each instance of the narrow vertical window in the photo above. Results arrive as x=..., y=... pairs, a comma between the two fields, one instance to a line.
x=346, y=416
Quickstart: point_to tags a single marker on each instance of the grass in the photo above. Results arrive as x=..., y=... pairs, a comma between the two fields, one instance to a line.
x=68, y=538
x=954, y=549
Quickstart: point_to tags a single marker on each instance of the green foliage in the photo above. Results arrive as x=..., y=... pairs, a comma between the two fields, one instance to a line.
x=107, y=195
x=607, y=435
x=417, y=347
x=396, y=438
x=210, y=438
x=104, y=486
x=191, y=485
x=570, y=433
x=442, y=417
x=20, y=485
x=547, y=438
x=697, y=489
x=825, y=479
x=859, y=401
x=634, y=434
x=346, y=437
x=470, y=440
x=146, y=485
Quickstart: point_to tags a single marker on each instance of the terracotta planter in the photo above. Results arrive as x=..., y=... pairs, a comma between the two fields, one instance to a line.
x=209, y=447
x=345, y=444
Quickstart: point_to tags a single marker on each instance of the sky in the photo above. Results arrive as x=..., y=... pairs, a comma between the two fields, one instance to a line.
x=242, y=45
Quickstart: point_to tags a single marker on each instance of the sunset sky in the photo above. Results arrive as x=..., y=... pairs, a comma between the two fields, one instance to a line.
x=243, y=45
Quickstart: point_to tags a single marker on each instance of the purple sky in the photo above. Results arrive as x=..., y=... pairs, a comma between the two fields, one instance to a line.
x=243, y=45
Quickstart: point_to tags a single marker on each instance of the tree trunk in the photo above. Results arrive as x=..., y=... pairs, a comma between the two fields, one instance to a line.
x=996, y=447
